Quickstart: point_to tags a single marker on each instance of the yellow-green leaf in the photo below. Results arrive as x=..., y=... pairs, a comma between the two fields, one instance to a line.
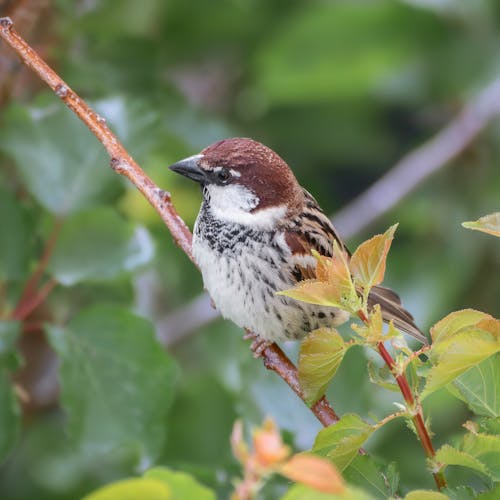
x=318, y=292
x=455, y=322
x=368, y=261
x=447, y=455
x=488, y=224
x=320, y=356
x=486, y=449
x=132, y=489
x=425, y=495
x=302, y=492
x=341, y=441
x=479, y=387
x=181, y=484
x=457, y=354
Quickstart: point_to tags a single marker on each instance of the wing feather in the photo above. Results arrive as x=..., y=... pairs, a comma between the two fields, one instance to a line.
x=312, y=229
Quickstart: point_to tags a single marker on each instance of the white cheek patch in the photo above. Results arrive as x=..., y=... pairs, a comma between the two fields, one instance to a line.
x=234, y=203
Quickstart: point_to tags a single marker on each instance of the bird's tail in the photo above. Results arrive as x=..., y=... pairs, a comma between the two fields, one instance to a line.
x=392, y=310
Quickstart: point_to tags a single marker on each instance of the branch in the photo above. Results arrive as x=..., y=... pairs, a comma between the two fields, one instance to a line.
x=274, y=358
x=420, y=163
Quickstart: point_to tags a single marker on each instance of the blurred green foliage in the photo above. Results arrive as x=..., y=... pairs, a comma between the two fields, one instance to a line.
x=341, y=90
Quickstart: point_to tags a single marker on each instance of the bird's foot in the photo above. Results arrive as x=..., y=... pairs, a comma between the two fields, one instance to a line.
x=258, y=345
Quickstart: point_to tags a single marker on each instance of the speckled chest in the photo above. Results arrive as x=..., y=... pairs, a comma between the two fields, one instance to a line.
x=242, y=270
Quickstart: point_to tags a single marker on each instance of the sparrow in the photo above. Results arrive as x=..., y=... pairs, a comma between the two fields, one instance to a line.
x=253, y=237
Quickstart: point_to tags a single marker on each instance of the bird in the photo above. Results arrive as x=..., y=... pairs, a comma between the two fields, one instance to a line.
x=254, y=236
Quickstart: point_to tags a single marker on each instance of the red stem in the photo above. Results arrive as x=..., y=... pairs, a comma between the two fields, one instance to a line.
x=29, y=290
x=30, y=304
x=418, y=419
x=413, y=406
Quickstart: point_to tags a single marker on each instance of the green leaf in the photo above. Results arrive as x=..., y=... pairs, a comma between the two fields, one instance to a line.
x=368, y=261
x=456, y=322
x=425, y=495
x=489, y=425
x=486, y=448
x=16, y=236
x=447, y=455
x=479, y=387
x=460, y=493
x=490, y=495
x=117, y=382
x=488, y=224
x=457, y=355
x=341, y=441
x=62, y=164
x=133, y=489
x=382, y=376
x=320, y=355
x=98, y=245
x=365, y=472
x=181, y=484
x=302, y=492
x=9, y=406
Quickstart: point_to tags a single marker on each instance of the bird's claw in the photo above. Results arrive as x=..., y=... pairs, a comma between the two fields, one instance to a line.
x=258, y=345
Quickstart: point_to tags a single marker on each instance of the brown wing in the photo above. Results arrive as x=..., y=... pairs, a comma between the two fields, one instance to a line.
x=313, y=230
x=310, y=230
x=392, y=310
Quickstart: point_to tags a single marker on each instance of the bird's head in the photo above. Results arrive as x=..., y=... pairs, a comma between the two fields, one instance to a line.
x=244, y=182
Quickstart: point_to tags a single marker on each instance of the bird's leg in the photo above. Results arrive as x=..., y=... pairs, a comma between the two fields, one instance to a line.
x=258, y=345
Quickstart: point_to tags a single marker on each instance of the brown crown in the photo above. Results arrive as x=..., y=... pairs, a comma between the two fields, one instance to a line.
x=263, y=170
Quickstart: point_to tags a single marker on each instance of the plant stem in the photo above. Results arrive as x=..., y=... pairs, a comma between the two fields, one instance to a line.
x=413, y=406
x=416, y=411
x=124, y=164
x=32, y=302
x=30, y=298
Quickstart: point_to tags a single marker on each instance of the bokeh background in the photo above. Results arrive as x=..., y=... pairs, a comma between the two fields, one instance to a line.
x=342, y=90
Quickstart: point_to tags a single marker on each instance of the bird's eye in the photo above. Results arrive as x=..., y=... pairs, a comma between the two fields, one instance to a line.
x=223, y=175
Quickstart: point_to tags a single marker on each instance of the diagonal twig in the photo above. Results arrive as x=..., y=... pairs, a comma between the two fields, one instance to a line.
x=121, y=161
x=419, y=164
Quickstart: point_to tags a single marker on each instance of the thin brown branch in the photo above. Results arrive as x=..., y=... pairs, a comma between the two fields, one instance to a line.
x=121, y=161
x=420, y=163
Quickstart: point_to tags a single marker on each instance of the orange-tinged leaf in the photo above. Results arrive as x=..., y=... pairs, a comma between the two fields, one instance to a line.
x=491, y=325
x=373, y=332
x=455, y=322
x=268, y=445
x=368, y=261
x=488, y=224
x=333, y=287
x=323, y=265
x=313, y=471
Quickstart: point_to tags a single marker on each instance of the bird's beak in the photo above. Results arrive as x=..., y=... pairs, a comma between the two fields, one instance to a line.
x=189, y=168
